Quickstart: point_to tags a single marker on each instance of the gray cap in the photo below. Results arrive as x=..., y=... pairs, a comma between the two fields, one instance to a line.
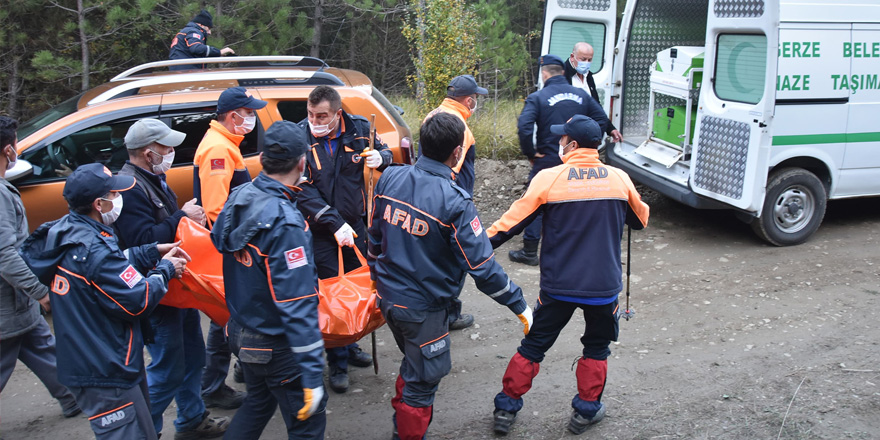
x=147, y=131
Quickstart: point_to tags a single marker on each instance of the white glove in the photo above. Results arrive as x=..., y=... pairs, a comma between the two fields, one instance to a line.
x=373, y=158
x=527, y=318
x=345, y=235
x=311, y=401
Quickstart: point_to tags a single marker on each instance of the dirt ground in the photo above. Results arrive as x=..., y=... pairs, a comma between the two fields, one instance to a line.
x=732, y=339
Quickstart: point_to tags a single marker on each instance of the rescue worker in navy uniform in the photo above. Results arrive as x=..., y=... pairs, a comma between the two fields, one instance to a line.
x=333, y=199
x=586, y=205
x=99, y=295
x=192, y=42
x=271, y=283
x=424, y=235
x=578, y=74
x=556, y=103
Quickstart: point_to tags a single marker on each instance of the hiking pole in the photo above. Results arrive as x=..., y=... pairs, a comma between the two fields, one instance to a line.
x=369, y=220
x=628, y=312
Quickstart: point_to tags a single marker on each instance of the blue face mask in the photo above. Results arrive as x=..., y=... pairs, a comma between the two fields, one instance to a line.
x=583, y=67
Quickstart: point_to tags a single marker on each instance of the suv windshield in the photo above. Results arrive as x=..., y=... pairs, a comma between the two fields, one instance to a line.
x=47, y=117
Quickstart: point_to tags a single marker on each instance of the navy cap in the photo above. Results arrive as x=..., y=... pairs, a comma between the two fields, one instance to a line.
x=204, y=17
x=92, y=181
x=464, y=85
x=287, y=135
x=546, y=60
x=237, y=97
x=582, y=129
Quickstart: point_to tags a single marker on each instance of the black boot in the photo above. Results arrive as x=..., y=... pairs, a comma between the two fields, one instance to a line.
x=528, y=255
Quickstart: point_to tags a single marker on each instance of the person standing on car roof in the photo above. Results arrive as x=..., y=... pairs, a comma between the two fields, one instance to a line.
x=586, y=205
x=218, y=167
x=271, y=283
x=150, y=214
x=424, y=236
x=556, y=103
x=24, y=334
x=461, y=101
x=100, y=294
x=333, y=199
x=192, y=42
x=578, y=74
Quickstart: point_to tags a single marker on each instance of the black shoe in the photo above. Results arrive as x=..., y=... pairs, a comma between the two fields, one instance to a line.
x=464, y=321
x=524, y=257
x=210, y=427
x=71, y=411
x=577, y=424
x=225, y=398
x=503, y=421
x=237, y=372
x=338, y=379
x=359, y=358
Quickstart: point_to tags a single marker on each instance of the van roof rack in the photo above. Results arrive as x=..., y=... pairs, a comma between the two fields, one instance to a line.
x=266, y=61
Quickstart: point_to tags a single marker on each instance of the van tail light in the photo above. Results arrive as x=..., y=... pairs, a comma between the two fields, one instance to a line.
x=406, y=146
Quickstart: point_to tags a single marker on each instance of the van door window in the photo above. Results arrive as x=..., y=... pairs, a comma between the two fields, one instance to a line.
x=564, y=34
x=740, y=67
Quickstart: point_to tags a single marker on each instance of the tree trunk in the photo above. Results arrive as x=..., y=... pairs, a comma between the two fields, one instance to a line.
x=14, y=88
x=317, y=29
x=420, y=22
x=84, y=43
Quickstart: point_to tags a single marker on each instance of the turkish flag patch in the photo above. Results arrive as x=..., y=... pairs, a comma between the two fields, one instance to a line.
x=130, y=276
x=296, y=258
x=196, y=36
x=218, y=164
x=477, y=226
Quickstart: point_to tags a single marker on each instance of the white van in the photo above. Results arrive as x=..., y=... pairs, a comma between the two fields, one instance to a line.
x=785, y=116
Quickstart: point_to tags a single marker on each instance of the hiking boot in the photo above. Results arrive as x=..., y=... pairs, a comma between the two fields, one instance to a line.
x=503, y=421
x=209, y=428
x=338, y=379
x=71, y=410
x=464, y=321
x=528, y=255
x=578, y=423
x=225, y=398
x=237, y=372
x=359, y=358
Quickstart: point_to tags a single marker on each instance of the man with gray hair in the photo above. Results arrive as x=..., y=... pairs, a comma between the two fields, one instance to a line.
x=578, y=74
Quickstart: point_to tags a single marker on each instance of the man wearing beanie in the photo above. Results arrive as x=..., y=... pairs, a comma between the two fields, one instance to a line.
x=192, y=42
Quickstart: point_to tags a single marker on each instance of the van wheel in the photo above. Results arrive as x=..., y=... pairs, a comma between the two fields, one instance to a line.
x=793, y=207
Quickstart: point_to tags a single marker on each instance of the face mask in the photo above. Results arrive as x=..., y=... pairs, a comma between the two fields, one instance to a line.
x=247, y=125
x=563, y=147
x=322, y=130
x=583, y=67
x=476, y=105
x=11, y=161
x=165, y=165
x=109, y=217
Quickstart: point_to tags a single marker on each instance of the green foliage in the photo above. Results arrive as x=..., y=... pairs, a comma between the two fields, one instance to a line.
x=504, y=53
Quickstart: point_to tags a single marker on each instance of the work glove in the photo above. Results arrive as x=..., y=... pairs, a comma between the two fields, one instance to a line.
x=345, y=235
x=527, y=319
x=373, y=158
x=311, y=401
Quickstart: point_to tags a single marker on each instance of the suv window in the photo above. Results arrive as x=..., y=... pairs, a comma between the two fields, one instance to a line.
x=293, y=111
x=194, y=123
x=49, y=116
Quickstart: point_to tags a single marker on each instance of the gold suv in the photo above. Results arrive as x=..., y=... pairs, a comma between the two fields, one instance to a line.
x=90, y=127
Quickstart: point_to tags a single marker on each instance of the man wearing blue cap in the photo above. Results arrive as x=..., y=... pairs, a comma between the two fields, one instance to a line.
x=586, y=205
x=218, y=168
x=271, y=289
x=556, y=103
x=192, y=42
x=99, y=295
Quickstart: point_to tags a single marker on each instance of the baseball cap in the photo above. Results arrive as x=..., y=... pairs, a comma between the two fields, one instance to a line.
x=89, y=182
x=582, y=129
x=237, y=97
x=147, y=131
x=546, y=60
x=464, y=85
x=287, y=135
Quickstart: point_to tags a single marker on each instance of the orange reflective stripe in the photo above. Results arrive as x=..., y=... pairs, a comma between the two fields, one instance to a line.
x=76, y=275
x=111, y=411
x=413, y=208
x=463, y=253
x=130, y=337
x=434, y=340
x=272, y=288
x=315, y=154
x=146, y=301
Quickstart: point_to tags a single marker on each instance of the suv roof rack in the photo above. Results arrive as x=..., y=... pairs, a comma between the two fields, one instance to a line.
x=242, y=61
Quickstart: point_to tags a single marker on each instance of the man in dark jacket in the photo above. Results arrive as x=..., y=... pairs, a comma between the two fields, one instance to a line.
x=271, y=290
x=333, y=199
x=24, y=333
x=556, y=103
x=578, y=74
x=150, y=215
x=192, y=42
x=424, y=236
x=100, y=296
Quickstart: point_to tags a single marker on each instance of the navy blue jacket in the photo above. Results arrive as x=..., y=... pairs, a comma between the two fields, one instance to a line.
x=191, y=42
x=149, y=213
x=334, y=191
x=98, y=297
x=554, y=104
x=424, y=235
x=269, y=270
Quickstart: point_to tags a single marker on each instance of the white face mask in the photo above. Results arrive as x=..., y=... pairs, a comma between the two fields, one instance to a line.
x=323, y=130
x=109, y=217
x=563, y=147
x=247, y=125
x=11, y=162
x=165, y=165
x=476, y=105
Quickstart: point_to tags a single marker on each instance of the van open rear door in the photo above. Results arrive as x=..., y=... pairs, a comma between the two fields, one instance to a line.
x=567, y=22
x=732, y=140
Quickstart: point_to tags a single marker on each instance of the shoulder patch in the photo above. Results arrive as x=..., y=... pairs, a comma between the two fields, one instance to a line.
x=296, y=257
x=196, y=35
x=218, y=164
x=477, y=226
x=130, y=276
